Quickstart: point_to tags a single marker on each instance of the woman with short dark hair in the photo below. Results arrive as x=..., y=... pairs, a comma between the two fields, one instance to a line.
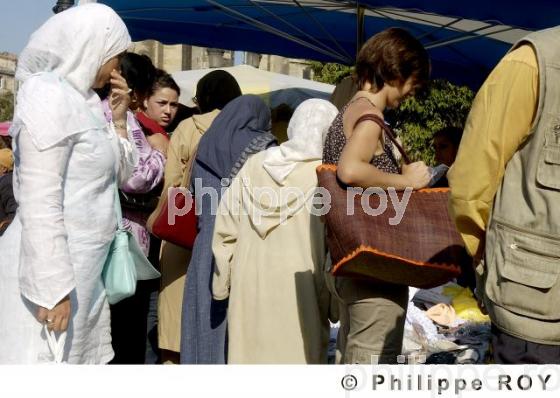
x=391, y=66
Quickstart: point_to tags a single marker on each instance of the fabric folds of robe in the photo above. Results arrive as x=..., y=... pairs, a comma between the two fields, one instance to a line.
x=174, y=259
x=66, y=159
x=241, y=128
x=270, y=249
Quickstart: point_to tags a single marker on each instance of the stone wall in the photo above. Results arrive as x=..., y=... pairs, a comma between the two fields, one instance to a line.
x=178, y=57
x=7, y=72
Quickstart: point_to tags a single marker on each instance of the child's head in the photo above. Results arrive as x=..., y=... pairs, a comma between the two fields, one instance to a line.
x=446, y=144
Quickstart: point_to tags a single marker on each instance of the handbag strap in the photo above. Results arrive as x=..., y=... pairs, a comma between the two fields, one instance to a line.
x=187, y=175
x=118, y=210
x=388, y=132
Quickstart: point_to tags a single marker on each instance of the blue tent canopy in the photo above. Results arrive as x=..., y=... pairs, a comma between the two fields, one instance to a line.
x=465, y=42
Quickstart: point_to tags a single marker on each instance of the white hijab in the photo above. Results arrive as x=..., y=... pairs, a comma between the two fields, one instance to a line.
x=307, y=131
x=58, y=68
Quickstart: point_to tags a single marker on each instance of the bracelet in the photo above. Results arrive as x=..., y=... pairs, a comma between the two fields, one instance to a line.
x=121, y=125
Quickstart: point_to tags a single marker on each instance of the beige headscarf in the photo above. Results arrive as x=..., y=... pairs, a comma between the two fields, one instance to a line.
x=307, y=131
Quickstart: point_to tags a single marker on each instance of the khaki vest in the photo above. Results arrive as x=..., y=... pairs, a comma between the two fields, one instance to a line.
x=522, y=273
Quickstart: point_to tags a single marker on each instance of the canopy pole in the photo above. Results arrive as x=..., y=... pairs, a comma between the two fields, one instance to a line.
x=360, y=15
x=271, y=29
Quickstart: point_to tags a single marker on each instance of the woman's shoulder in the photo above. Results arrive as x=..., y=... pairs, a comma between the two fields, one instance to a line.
x=360, y=106
x=184, y=125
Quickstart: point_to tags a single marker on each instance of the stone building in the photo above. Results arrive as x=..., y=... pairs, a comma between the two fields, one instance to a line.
x=174, y=58
x=7, y=73
x=179, y=57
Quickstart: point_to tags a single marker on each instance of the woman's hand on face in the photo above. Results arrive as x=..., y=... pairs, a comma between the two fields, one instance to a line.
x=56, y=319
x=119, y=98
x=417, y=174
x=159, y=143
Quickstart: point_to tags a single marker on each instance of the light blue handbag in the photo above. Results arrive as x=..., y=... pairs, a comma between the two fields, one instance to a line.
x=125, y=263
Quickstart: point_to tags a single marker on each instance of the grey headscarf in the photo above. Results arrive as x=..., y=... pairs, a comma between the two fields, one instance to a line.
x=241, y=129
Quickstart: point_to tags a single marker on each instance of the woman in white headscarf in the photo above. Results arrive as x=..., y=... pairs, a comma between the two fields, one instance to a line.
x=68, y=161
x=270, y=249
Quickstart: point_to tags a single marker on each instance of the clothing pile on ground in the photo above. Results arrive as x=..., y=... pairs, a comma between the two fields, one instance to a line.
x=445, y=326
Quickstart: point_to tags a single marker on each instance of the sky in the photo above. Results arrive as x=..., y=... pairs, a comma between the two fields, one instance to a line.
x=20, y=18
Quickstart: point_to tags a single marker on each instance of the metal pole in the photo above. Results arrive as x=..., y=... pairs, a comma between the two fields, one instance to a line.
x=62, y=5
x=360, y=15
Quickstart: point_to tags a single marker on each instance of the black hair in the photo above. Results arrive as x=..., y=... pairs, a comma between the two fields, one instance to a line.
x=215, y=90
x=453, y=134
x=139, y=73
x=163, y=80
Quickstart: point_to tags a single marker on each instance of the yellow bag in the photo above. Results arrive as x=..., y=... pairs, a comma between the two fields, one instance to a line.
x=465, y=304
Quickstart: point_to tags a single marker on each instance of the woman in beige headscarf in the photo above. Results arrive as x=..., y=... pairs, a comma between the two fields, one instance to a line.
x=270, y=249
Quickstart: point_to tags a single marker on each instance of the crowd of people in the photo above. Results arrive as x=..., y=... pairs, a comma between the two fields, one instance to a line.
x=91, y=117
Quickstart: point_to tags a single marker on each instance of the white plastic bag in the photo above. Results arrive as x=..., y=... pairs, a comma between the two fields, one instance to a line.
x=56, y=346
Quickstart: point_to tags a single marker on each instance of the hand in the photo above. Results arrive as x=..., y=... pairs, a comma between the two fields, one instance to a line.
x=4, y=222
x=57, y=319
x=481, y=306
x=119, y=98
x=479, y=270
x=159, y=143
x=417, y=175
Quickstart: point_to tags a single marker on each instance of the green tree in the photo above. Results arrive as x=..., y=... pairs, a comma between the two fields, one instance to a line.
x=330, y=73
x=440, y=105
x=6, y=107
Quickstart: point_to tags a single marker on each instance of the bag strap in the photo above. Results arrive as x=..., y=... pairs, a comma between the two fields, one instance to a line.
x=187, y=175
x=118, y=210
x=388, y=132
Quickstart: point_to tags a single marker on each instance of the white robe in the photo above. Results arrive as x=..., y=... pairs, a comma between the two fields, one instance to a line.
x=58, y=243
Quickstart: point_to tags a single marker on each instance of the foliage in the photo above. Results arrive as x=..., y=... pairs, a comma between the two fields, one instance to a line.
x=440, y=105
x=330, y=73
x=6, y=107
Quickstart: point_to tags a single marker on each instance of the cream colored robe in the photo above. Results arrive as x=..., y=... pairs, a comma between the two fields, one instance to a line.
x=174, y=259
x=272, y=273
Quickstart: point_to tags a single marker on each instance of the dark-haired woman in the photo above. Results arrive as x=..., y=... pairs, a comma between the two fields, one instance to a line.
x=139, y=73
x=159, y=109
x=213, y=91
x=129, y=317
x=391, y=66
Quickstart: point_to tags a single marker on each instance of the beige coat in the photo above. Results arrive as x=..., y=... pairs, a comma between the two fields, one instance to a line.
x=174, y=260
x=272, y=272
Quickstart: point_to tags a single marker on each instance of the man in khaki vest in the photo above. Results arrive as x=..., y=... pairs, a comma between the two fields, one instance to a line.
x=505, y=199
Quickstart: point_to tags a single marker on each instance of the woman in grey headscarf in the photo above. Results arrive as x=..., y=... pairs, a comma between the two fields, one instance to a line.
x=242, y=128
x=68, y=161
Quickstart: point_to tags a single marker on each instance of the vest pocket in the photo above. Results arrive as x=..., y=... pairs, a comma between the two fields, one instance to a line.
x=525, y=275
x=548, y=171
